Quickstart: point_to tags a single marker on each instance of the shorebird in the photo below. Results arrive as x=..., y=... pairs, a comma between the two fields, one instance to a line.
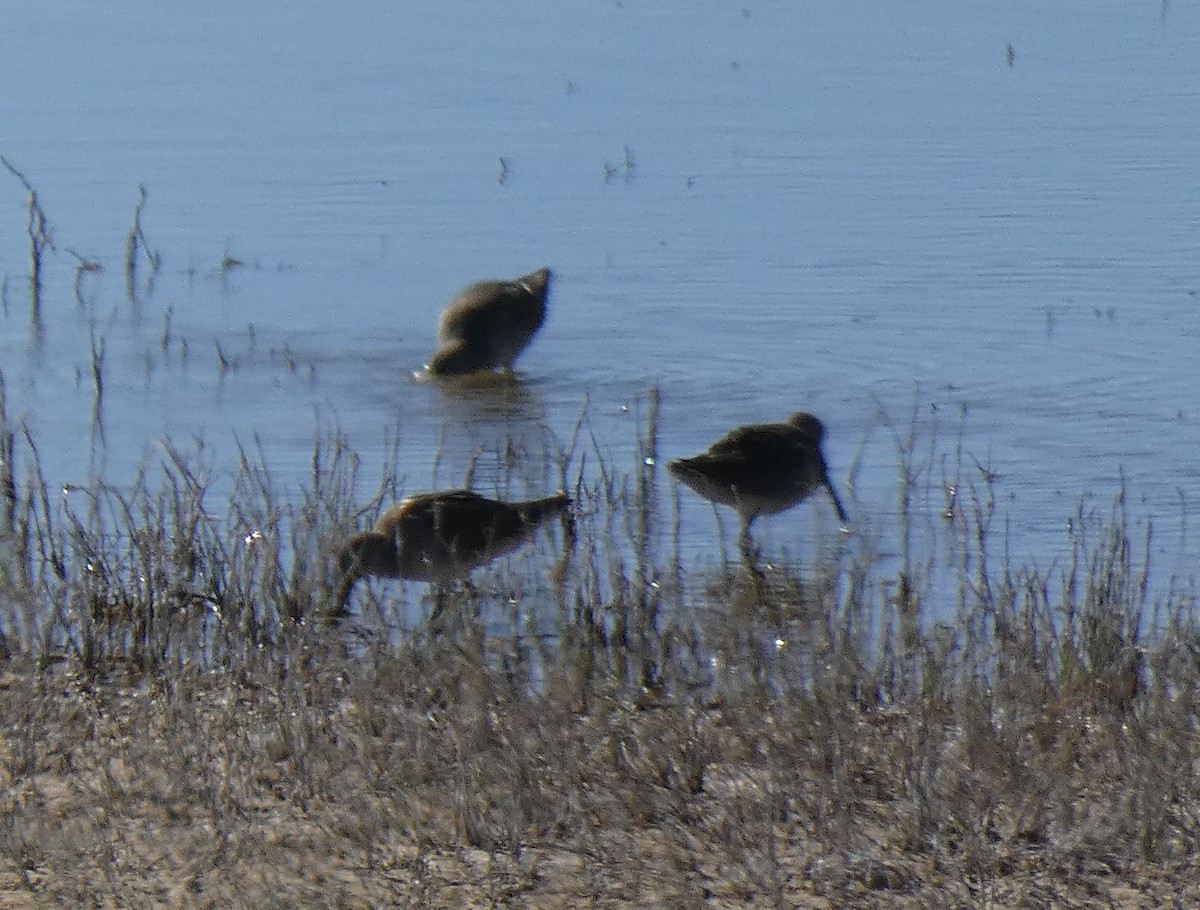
x=439, y=538
x=489, y=323
x=761, y=469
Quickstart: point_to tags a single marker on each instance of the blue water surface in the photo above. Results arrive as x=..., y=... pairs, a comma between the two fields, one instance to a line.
x=872, y=211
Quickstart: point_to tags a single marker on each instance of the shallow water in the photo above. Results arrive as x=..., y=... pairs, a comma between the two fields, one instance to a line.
x=865, y=212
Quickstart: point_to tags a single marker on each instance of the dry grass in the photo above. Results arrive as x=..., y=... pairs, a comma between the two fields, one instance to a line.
x=598, y=728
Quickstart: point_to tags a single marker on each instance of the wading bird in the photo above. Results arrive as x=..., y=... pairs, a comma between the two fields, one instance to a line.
x=761, y=469
x=489, y=323
x=439, y=538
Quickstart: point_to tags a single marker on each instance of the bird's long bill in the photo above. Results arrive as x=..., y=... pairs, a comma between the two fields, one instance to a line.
x=339, y=601
x=837, y=504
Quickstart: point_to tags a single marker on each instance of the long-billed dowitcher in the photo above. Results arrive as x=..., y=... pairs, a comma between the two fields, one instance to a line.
x=761, y=469
x=489, y=323
x=439, y=537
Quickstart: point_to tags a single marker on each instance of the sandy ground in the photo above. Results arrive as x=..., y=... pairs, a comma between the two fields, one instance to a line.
x=209, y=791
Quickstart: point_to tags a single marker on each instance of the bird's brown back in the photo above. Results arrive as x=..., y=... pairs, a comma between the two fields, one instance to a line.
x=438, y=537
x=442, y=536
x=489, y=323
x=761, y=469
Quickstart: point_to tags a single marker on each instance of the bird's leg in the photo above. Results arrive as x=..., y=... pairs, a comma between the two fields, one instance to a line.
x=439, y=603
x=750, y=558
x=471, y=596
x=745, y=544
x=750, y=553
x=443, y=594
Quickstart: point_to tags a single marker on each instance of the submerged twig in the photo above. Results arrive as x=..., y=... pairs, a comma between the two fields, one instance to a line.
x=97, y=348
x=40, y=237
x=135, y=240
x=83, y=265
x=8, y=486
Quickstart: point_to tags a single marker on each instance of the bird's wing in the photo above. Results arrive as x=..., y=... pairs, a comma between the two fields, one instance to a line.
x=759, y=441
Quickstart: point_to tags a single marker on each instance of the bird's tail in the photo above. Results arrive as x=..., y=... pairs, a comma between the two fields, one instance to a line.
x=535, y=511
x=536, y=282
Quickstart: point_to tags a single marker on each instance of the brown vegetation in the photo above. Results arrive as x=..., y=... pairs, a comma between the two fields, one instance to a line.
x=601, y=729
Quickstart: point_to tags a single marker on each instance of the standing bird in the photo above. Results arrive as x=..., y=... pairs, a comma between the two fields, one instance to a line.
x=439, y=538
x=489, y=323
x=761, y=469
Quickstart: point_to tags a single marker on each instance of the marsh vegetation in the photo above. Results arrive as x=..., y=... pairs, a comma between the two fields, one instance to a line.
x=592, y=722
